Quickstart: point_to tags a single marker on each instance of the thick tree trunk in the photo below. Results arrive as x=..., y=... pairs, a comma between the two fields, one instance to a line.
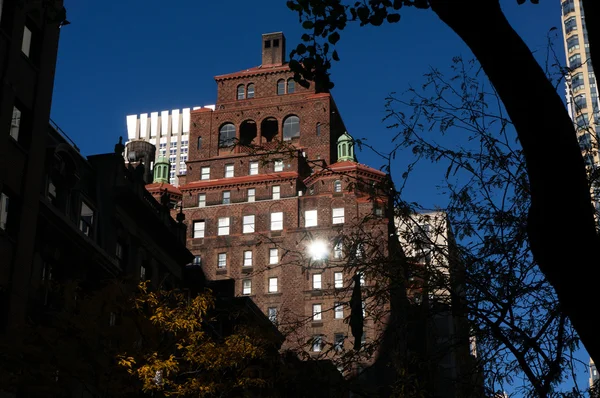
x=561, y=224
x=591, y=9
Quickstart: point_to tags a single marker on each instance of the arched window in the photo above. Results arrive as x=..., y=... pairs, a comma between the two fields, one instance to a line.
x=337, y=186
x=250, y=90
x=226, y=135
x=318, y=129
x=343, y=149
x=291, y=127
x=291, y=86
x=280, y=87
x=241, y=92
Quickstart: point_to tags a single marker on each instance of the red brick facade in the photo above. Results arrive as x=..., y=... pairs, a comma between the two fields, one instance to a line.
x=216, y=200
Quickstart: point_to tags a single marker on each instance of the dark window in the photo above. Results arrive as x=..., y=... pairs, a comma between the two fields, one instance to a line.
x=575, y=61
x=241, y=92
x=568, y=6
x=275, y=42
x=86, y=219
x=572, y=43
x=281, y=87
x=267, y=43
x=291, y=127
x=291, y=86
x=570, y=25
x=227, y=135
x=199, y=142
x=582, y=121
x=250, y=90
x=577, y=82
x=318, y=129
x=580, y=102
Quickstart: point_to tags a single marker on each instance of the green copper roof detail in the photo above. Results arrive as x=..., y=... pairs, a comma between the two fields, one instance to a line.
x=345, y=148
x=161, y=170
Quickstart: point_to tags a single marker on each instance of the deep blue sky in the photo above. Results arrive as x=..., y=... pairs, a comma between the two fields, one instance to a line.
x=131, y=57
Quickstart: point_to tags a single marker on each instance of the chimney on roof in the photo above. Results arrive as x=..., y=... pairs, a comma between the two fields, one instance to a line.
x=273, y=49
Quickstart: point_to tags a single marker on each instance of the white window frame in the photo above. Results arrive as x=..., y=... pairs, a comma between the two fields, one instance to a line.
x=273, y=287
x=229, y=170
x=274, y=256
x=317, y=281
x=247, y=258
x=276, y=192
x=201, y=200
x=251, y=198
x=316, y=312
x=277, y=221
x=338, y=280
x=278, y=165
x=338, y=310
x=337, y=215
x=222, y=260
x=253, y=168
x=205, y=173
x=246, y=287
x=310, y=218
x=199, y=229
x=223, y=226
x=248, y=224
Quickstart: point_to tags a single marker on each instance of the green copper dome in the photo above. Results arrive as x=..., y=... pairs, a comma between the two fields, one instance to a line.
x=161, y=170
x=345, y=146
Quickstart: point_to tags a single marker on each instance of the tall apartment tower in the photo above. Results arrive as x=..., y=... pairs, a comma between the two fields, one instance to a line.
x=272, y=186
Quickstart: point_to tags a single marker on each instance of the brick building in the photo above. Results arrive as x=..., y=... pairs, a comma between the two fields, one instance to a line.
x=275, y=199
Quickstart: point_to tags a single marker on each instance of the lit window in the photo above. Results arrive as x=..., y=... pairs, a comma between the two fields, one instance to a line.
x=291, y=127
x=253, y=168
x=223, y=226
x=205, y=173
x=248, y=224
x=246, y=287
x=3, y=210
x=199, y=227
x=272, y=285
x=251, y=194
x=316, y=281
x=338, y=215
x=291, y=86
x=337, y=186
x=337, y=250
x=250, y=90
x=227, y=135
x=86, y=219
x=338, y=310
x=241, y=91
x=276, y=192
x=228, y=170
x=201, y=200
x=310, y=218
x=281, y=87
x=26, y=43
x=317, y=344
x=273, y=256
x=338, y=280
x=222, y=260
x=278, y=165
x=277, y=221
x=15, y=124
x=226, y=197
x=272, y=313
x=248, y=258
x=316, y=312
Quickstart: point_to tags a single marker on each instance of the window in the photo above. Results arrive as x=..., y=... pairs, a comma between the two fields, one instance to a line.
x=142, y=273
x=338, y=310
x=226, y=197
x=277, y=221
x=337, y=186
x=316, y=312
x=280, y=87
x=573, y=43
x=291, y=86
x=577, y=82
x=119, y=251
x=247, y=258
x=227, y=135
x=317, y=344
x=223, y=226
x=246, y=287
x=267, y=43
x=229, y=170
x=112, y=320
x=222, y=260
x=199, y=227
x=248, y=224
x=361, y=276
x=575, y=61
x=570, y=25
x=253, y=168
x=26, y=43
x=197, y=260
x=251, y=194
x=337, y=250
x=338, y=341
x=291, y=127
x=338, y=215
x=310, y=218
x=316, y=281
x=250, y=90
x=199, y=143
x=318, y=132
x=86, y=219
x=580, y=101
x=582, y=121
x=568, y=6
x=275, y=42
x=338, y=280
x=272, y=314
x=205, y=173
x=201, y=200
x=272, y=285
x=15, y=124
x=3, y=210
x=278, y=165
x=276, y=191
x=273, y=256
x=241, y=92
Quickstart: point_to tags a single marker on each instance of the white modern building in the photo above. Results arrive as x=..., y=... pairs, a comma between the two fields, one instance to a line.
x=168, y=131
